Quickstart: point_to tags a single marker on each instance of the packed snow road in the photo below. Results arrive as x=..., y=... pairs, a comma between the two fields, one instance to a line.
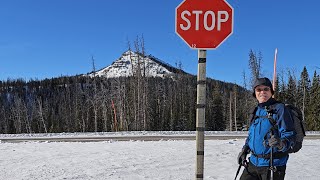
x=129, y=136
x=114, y=138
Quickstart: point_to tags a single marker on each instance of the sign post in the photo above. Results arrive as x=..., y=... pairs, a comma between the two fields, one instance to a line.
x=203, y=24
x=200, y=112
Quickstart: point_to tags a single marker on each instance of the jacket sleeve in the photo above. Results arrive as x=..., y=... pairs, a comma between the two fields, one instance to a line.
x=246, y=145
x=285, y=127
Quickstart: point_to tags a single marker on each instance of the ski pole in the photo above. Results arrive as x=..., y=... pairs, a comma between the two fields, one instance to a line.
x=272, y=129
x=235, y=178
x=243, y=164
x=272, y=168
x=271, y=164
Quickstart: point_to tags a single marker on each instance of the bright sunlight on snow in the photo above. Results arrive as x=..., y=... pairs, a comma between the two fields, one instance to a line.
x=137, y=160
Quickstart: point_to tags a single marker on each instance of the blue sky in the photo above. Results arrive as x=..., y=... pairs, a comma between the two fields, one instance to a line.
x=49, y=38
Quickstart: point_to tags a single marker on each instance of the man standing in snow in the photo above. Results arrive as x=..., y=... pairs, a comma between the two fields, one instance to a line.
x=271, y=134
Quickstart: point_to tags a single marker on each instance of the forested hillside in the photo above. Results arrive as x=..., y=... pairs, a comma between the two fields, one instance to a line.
x=93, y=103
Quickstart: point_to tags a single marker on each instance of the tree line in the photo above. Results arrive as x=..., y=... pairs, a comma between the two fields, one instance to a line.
x=301, y=90
x=304, y=93
x=142, y=103
x=94, y=104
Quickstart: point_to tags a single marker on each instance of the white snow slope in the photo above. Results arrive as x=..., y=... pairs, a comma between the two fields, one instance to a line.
x=128, y=64
x=137, y=160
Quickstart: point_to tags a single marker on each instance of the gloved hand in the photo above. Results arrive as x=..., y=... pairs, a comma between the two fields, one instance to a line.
x=275, y=141
x=243, y=155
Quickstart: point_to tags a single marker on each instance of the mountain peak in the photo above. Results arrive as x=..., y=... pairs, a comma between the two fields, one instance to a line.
x=132, y=63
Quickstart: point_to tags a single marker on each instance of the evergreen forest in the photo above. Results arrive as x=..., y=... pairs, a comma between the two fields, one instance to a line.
x=140, y=103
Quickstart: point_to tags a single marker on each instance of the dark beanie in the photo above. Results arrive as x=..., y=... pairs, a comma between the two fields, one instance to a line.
x=262, y=81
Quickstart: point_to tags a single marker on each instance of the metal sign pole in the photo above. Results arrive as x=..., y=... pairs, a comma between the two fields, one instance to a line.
x=200, y=114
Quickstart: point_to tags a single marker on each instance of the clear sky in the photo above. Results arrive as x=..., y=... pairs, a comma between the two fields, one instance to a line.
x=49, y=38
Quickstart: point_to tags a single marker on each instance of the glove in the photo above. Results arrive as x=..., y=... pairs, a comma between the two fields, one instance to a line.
x=275, y=141
x=243, y=155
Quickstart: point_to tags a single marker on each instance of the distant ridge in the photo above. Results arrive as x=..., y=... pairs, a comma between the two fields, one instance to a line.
x=131, y=62
x=166, y=65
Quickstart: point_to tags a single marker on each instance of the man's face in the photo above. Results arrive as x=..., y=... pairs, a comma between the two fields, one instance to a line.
x=263, y=93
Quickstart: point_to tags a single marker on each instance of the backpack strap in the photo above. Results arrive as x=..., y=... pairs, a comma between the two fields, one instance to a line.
x=253, y=115
x=270, y=110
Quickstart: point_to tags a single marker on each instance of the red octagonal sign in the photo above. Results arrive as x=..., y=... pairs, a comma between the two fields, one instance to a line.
x=204, y=24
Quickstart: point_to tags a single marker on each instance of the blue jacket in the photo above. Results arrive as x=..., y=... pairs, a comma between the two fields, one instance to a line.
x=259, y=133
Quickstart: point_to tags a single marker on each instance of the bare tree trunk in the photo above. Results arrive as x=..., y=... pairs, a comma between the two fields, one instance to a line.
x=5, y=119
x=133, y=84
x=16, y=115
x=248, y=103
x=105, y=99
x=105, y=116
x=115, y=122
x=41, y=115
x=122, y=106
x=145, y=84
x=24, y=111
x=235, y=110
x=230, y=111
x=303, y=103
x=94, y=103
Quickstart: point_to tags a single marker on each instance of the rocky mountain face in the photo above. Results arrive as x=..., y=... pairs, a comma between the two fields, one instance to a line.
x=132, y=63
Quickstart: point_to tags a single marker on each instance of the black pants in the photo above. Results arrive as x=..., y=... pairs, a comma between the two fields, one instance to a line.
x=253, y=172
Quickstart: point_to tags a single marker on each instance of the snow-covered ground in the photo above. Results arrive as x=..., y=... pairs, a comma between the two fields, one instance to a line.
x=136, y=160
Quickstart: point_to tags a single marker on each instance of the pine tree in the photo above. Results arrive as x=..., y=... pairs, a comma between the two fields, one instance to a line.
x=313, y=110
x=291, y=90
x=303, y=91
x=277, y=89
x=281, y=96
x=255, y=65
x=216, y=121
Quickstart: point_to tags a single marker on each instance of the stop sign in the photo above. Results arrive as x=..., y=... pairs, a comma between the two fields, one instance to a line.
x=204, y=24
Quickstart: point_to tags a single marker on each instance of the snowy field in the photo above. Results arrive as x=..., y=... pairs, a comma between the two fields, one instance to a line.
x=137, y=160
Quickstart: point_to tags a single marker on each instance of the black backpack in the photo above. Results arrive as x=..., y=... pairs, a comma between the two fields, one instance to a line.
x=299, y=124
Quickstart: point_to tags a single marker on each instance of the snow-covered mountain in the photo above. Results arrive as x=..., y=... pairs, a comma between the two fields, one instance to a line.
x=128, y=65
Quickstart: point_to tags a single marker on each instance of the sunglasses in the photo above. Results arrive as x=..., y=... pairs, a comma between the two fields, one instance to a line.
x=263, y=89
